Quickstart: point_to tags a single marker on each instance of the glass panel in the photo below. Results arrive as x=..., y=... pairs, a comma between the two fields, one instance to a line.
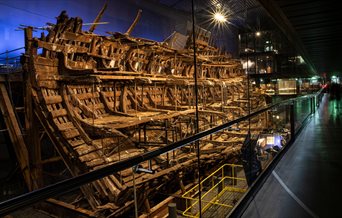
x=303, y=109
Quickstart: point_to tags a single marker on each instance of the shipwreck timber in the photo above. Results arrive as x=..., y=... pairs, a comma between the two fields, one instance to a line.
x=102, y=99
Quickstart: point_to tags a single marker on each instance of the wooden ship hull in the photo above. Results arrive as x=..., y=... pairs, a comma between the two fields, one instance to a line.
x=103, y=99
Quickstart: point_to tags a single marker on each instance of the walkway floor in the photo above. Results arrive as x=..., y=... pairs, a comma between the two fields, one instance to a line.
x=307, y=182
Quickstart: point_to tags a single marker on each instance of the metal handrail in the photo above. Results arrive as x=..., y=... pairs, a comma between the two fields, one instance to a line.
x=243, y=202
x=77, y=181
x=6, y=52
x=11, y=58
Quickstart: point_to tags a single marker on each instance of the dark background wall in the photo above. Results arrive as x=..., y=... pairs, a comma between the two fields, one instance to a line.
x=156, y=22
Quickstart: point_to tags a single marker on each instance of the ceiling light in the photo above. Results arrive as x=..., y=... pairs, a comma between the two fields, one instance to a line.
x=220, y=18
x=258, y=33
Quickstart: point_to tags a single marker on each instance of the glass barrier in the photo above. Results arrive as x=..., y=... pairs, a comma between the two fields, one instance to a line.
x=230, y=160
x=303, y=108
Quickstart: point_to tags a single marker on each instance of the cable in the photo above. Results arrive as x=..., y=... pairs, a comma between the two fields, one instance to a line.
x=196, y=102
x=27, y=11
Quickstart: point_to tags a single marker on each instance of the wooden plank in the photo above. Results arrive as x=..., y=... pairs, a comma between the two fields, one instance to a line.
x=84, y=149
x=43, y=61
x=80, y=65
x=53, y=99
x=117, y=183
x=64, y=126
x=111, y=186
x=75, y=143
x=149, y=177
x=97, y=106
x=15, y=135
x=58, y=113
x=73, y=169
x=124, y=155
x=100, y=187
x=43, y=72
x=111, y=93
x=67, y=48
x=70, y=133
x=88, y=157
x=95, y=162
x=72, y=207
x=88, y=95
x=77, y=37
x=51, y=160
x=159, y=210
x=49, y=84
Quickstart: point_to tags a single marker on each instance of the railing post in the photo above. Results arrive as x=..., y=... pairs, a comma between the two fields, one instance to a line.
x=313, y=104
x=292, y=120
x=6, y=58
x=172, y=210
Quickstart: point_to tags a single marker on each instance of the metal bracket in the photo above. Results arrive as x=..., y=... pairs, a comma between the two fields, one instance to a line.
x=140, y=169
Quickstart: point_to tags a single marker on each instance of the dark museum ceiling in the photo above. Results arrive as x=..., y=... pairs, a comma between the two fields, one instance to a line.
x=318, y=25
x=314, y=26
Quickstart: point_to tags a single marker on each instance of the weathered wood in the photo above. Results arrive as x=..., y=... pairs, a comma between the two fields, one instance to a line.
x=50, y=160
x=117, y=183
x=53, y=99
x=84, y=149
x=76, y=143
x=89, y=156
x=111, y=186
x=70, y=133
x=47, y=84
x=16, y=135
x=58, y=113
x=105, y=99
x=76, y=37
x=59, y=145
x=61, y=48
x=72, y=207
x=98, y=17
x=136, y=20
x=161, y=208
x=100, y=187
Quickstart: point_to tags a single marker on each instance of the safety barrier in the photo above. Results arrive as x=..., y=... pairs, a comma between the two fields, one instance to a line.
x=10, y=61
x=77, y=181
x=220, y=191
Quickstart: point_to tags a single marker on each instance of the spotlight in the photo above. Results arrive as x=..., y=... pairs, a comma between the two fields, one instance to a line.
x=220, y=18
x=258, y=33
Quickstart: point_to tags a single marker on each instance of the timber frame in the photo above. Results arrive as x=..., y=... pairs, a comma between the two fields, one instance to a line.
x=102, y=99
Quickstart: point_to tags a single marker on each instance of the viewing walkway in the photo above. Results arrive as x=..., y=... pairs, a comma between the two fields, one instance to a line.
x=307, y=180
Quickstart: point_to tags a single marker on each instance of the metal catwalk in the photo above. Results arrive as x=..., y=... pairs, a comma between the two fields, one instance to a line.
x=307, y=181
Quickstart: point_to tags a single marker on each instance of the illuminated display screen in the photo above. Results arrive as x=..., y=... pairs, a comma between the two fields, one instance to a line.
x=269, y=141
